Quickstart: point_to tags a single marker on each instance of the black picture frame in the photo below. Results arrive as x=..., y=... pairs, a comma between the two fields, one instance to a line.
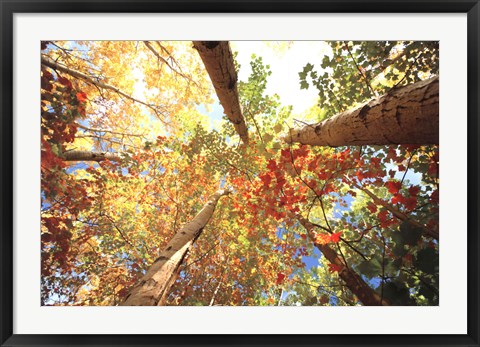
x=10, y=7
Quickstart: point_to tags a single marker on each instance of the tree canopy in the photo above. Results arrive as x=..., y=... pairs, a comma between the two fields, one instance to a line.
x=167, y=180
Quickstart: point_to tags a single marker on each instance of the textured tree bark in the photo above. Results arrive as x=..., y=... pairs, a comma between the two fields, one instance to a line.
x=218, y=60
x=353, y=281
x=152, y=289
x=90, y=156
x=407, y=115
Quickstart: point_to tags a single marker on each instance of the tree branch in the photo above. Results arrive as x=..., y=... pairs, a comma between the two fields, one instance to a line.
x=77, y=74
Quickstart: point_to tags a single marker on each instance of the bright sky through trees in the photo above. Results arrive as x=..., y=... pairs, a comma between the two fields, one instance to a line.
x=287, y=57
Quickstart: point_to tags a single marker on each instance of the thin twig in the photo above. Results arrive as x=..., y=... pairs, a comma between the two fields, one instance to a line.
x=47, y=61
x=364, y=75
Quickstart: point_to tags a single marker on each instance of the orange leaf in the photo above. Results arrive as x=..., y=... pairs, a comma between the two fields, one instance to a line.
x=322, y=239
x=81, y=97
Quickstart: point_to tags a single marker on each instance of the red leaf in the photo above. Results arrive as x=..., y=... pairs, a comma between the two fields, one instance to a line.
x=329, y=188
x=334, y=268
x=360, y=175
x=322, y=175
x=393, y=187
x=266, y=179
x=382, y=216
x=46, y=78
x=286, y=154
x=396, y=199
x=302, y=151
x=335, y=237
x=410, y=203
x=280, y=278
x=413, y=190
x=432, y=169
x=313, y=165
x=375, y=161
x=434, y=196
x=65, y=82
x=272, y=165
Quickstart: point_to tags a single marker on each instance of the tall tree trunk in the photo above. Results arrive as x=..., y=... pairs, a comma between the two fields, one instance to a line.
x=353, y=281
x=218, y=60
x=152, y=289
x=217, y=287
x=90, y=156
x=406, y=115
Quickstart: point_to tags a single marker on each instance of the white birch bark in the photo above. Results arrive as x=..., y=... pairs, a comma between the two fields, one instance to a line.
x=218, y=60
x=90, y=156
x=407, y=115
x=152, y=289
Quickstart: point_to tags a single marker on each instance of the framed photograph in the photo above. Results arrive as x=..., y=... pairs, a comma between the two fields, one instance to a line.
x=240, y=173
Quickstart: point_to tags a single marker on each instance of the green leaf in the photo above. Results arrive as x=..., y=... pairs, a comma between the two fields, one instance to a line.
x=397, y=294
x=277, y=128
x=244, y=241
x=325, y=62
x=409, y=233
x=371, y=268
x=267, y=137
x=427, y=293
x=427, y=261
x=303, y=85
x=308, y=67
x=276, y=145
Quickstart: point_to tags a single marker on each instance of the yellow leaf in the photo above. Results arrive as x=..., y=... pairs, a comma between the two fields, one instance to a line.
x=118, y=288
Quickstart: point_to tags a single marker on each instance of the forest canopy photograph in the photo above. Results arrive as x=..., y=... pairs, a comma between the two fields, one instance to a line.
x=239, y=173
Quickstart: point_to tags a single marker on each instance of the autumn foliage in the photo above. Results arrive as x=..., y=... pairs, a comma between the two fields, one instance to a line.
x=104, y=223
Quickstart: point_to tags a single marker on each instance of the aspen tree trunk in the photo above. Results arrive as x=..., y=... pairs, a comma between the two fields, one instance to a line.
x=217, y=288
x=152, y=289
x=406, y=115
x=218, y=60
x=353, y=281
x=89, y=156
